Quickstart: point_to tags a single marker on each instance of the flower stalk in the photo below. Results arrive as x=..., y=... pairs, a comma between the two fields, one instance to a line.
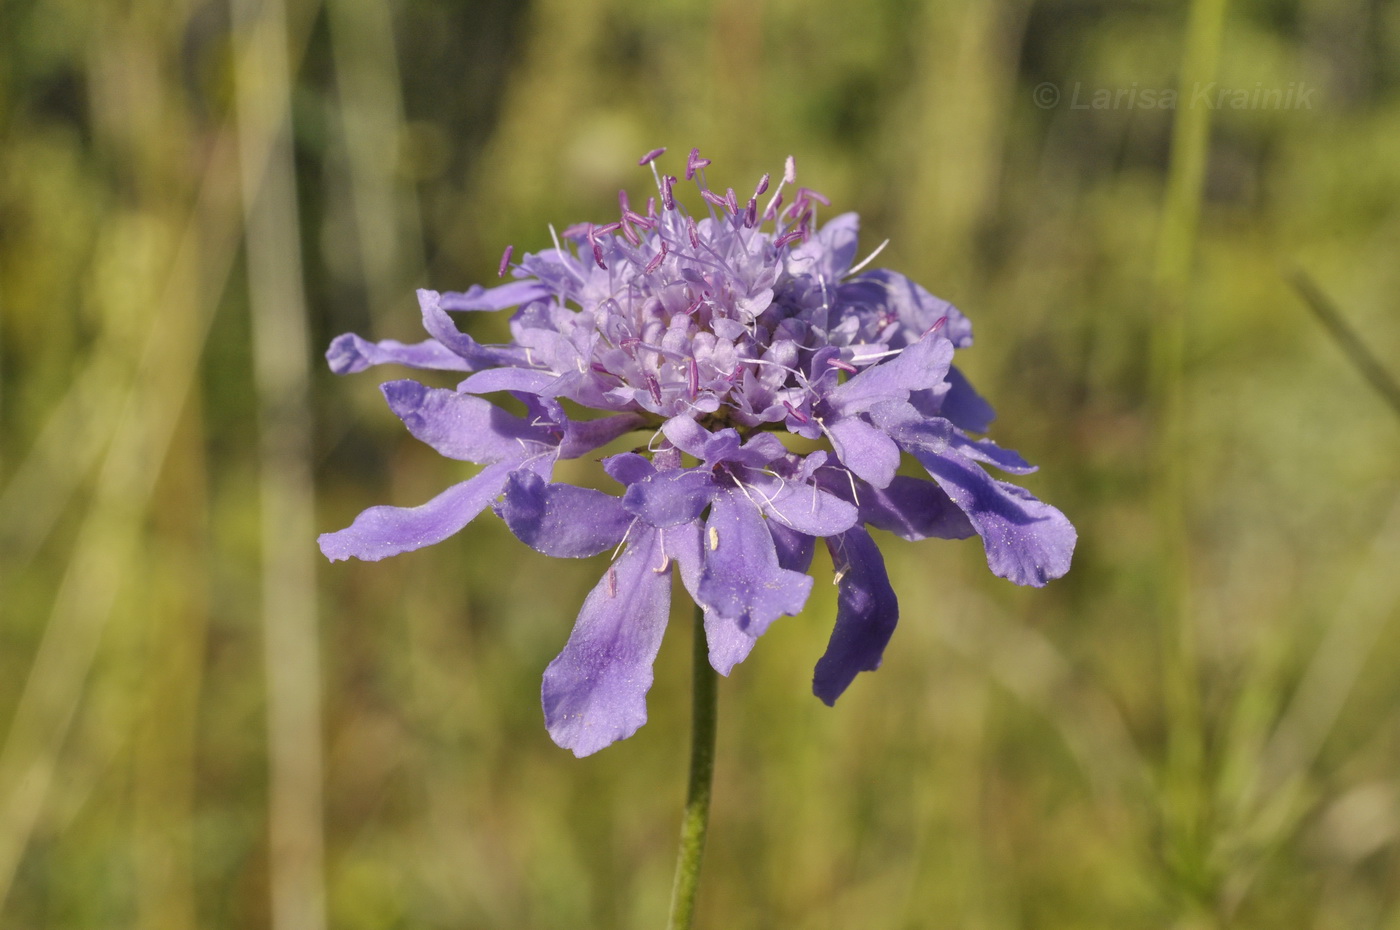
x=695, y=821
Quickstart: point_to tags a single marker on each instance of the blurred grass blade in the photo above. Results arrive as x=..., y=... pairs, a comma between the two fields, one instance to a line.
x=280, y=346
x=1347, y=339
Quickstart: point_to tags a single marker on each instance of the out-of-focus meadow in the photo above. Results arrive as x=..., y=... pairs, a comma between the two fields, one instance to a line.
x=205, y=725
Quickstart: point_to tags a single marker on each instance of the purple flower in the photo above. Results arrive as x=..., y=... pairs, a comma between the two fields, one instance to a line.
x=712, y=338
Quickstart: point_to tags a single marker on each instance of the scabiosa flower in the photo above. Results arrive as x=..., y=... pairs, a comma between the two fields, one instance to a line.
x=714, y=337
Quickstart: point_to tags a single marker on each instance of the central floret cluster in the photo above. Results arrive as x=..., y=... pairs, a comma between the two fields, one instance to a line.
x=715, y=336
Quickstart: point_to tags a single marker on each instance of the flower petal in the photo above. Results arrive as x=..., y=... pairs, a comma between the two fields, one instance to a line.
x=742, y=579
x=461, y=426
x=383, y=531
x=1027, y=541
x=561, y=520
x=912, y=508
x=802, y=507
x=669, y=498
x=864, y=449
x=442, y=328
x=866, y=613
x=728, y=643
x=594, y=691
x=918, y=367
x=501, y=297
x=349, y=353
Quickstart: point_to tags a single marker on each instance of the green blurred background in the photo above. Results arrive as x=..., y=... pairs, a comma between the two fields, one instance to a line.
x=206, y=726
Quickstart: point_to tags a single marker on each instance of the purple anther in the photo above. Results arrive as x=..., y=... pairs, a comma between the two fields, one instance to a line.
x=651, y=156
x=807, y=193
x=597, y=249
x=695, y=305
x=714, y=198
x=505, y=261
x=600, y=368
x=796, y=414
x=668, y=198
x=787, y=238
x=762, y=186
x=637, y=219
x=653, y=388
x=607, y=228
x=656, y=260
x=842, y=364
x=751, y=213
x=622, y=202
x=630, y=234
x=577, y=231
x=731, y=200
x=937, y=325
x=694, y=233
x=694, y=163
x=692, y=375
x=651, y=206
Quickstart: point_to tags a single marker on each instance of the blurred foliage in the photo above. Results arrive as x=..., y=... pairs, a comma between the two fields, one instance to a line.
x=1008, y=767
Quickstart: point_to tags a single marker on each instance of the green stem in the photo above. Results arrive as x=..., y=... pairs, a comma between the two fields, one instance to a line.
x=702, y=771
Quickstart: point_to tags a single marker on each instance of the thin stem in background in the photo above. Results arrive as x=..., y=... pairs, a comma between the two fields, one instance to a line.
x=1184, y=789
x=277, y=303
x=1347, y=339
x=704, y=688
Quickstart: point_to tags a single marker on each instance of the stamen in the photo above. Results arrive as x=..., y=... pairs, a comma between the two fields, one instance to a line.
x=869, y=258
x=751, y=213
x=598, y=251
x=505, y=261
x=842, y=364
x=762, y=187
x=668, y=197
x=656, y=259
x=651, y=156
x=695, y=163
x=771, y=212
x=694, y=233
x=692, y=373
x=938, y=324
x=790, y=170
x=653, y=388
x=714, y=198
x=787, y=238
x=713, y=539
x=797, y=415
x=612, y=581
x=731, y=200
x=622, y=202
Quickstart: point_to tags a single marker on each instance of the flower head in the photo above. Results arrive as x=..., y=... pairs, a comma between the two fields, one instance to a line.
x=716, y=337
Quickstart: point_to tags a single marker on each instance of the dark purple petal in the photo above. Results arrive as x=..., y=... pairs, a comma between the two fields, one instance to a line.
x=912, y=508
x=729, y=644
x=864, y=449
x=669, y=498
x=349, y=353
x=383, y=531
x=742, y=579
x=461, y=426
x=495, y=298
x=964, y=406
x=561, y=520
x=628, y=467
x=1027, y=541
x=866, y=614
x=795, y=549
x=583, y=436
x=595, y=690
